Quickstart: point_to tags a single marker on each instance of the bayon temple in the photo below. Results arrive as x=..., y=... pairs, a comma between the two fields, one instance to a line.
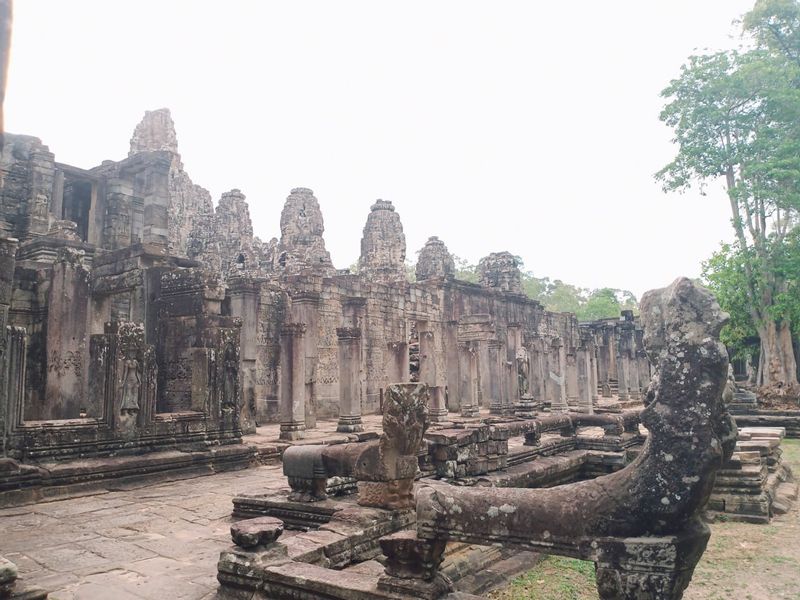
x=149, y=334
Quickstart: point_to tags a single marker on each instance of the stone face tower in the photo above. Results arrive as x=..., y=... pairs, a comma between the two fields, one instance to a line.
x=435, y=261
x=302, y=246
x=383, y=245
x=234, y=233
x=500, y=271
x=154, y=133
x=190, y=207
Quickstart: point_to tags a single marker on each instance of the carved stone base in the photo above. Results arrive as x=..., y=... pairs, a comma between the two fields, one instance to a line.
x=438, y=415
x=350, y=424
x=495, y=408
x=416, y=588
x=392, y=495
x=525, y=407
x=470, y=411
x=292, y=431
x=649, y=568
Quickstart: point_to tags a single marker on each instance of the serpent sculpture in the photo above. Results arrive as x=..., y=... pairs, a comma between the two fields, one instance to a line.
x=641, y=524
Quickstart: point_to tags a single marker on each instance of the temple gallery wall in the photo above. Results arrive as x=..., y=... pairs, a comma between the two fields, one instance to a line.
x=138, y=315
x=459, y=430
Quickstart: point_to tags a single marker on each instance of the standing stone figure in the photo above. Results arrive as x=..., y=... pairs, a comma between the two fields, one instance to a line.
x=523, y=368
x=230, y=367
x=131, y=384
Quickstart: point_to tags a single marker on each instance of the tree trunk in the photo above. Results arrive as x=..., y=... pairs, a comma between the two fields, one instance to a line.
x=777, y=365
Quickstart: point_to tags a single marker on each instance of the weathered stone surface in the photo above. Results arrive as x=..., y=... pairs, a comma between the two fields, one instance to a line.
x=435, y=261
x=256, y=532
x=658, y=496
x=302, y=247
x=500, y=271
x=383, y=245
x=386, y=470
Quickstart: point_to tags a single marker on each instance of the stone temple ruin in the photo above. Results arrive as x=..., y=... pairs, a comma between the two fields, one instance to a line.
x=148, y=332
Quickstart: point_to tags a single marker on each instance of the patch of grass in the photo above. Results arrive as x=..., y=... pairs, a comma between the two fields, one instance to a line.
x=555, y=578
x=791, y=452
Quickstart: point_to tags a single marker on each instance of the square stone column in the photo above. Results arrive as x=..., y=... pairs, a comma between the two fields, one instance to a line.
x=305, y=309
x=397, y=362
x=349, y=354
x=468, y=379
x=66, y=388
x=623, y=367
x=495, y=365
x=571, y=376
x=292, y=389
x=584, y=380
x=558, y=363
x=429, y=374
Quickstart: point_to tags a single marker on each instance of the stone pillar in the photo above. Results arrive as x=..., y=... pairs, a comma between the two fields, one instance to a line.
x=244, y=299
x=305, y=309
x=66, y=394
x=156, y=202
x=468, y=379
x=428, y=372
x=349, y=350
x=397, y=368
x=451, y=365
x=495, y=365
x=593, y=371
x=12, y=378
x=622, y=376
x=571, y=376
x=584, y=378
x=292, y=389
x=558, y=367
x=644, y=370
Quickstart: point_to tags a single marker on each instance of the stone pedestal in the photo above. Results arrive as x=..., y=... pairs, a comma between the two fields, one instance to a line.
x=292, y=389
x=412, y=566
x=349, y=348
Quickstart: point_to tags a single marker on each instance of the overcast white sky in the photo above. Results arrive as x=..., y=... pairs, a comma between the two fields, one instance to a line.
x=523, y=126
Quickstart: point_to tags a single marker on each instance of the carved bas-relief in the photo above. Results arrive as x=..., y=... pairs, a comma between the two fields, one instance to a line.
x=641, y=525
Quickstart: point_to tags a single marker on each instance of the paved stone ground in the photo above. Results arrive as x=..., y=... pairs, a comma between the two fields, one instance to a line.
x=147, y=541
x=159, y=541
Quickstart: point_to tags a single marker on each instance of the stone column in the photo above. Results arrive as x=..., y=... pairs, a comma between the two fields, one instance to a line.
x=397, y=369
x=292, y=390
x=571, y=376
x=468, y=378
x=451, y=365
x=305, y=309
x=558, y=355
x=644, y=370
x=66, y=394
x=156, y=202
x=8, y=249
x=244, y=299
x=428, y=372
x=584, y=379
x=495, y=366
x=349, y=348
x=593, y=371
x=622, y=376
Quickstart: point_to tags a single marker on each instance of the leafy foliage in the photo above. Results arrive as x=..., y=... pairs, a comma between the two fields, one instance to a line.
x=736, y=117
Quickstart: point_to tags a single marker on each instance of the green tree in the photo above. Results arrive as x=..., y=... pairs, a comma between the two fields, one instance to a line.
x=735, y=116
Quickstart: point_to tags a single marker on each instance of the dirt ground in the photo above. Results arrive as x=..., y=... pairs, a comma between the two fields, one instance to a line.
x=742, y=561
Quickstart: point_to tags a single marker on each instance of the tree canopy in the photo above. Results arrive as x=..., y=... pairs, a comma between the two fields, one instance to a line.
x=736, y=118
